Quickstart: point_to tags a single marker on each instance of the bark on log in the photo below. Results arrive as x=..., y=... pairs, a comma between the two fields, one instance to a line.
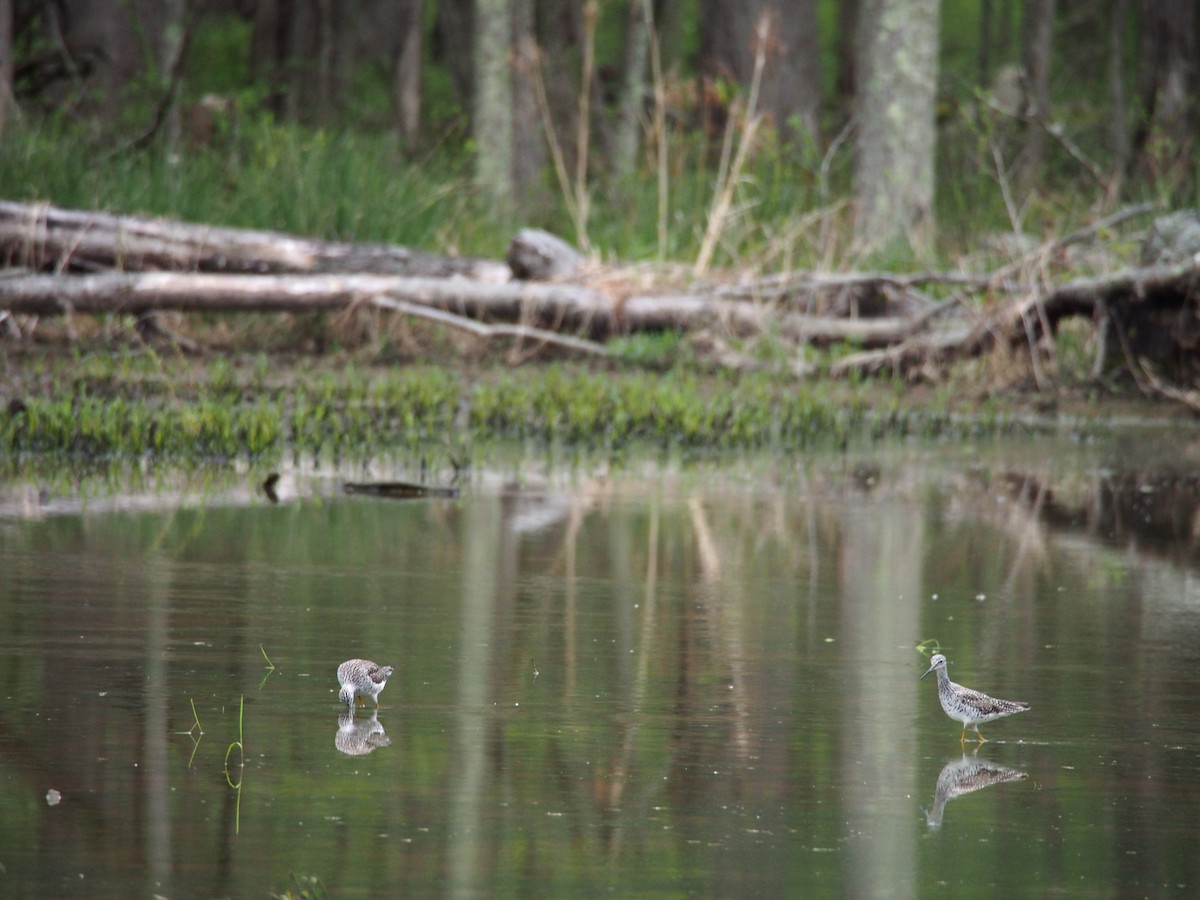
x=563, y=307
x=1133, y=299
x=1153, y=311
x=41, y=237
x=536, y=255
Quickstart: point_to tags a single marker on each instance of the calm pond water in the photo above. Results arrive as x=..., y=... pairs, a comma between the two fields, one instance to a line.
x=659, y=680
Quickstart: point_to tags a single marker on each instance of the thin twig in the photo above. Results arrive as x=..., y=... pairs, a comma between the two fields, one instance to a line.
x=175, y=77
x=660, y=128
x=481, y=329
x=723, y=197
x=556, y=152
x=583, y=141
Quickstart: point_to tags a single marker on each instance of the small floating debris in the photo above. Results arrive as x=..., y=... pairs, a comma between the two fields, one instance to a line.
x=398, y=490
x=53, y=797
x=270, y=487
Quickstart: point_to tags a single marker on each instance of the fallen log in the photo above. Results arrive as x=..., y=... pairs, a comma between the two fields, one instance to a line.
x=560, y=307
x=1156, y=308
x=42, y=237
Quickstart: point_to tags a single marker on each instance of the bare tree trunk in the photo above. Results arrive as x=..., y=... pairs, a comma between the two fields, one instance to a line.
x=1119, y=128
x=669, y=20
x=802, y=50
x=560, y=35
x=634, y=90
x=407, y=70
x=173, y=37
x=896, y=137
x=1039, y=44
x=326, y=54
x=454, y=46
x=986, y=12
x=6, y=61
x=791, y=90
x=1168, y=86
x=268, y=51
x=528, y=151
x=846, y=81
x=493, y=112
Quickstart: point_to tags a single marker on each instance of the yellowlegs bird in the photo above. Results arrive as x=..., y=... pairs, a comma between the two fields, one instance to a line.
x=362, y=678
x=968, y=706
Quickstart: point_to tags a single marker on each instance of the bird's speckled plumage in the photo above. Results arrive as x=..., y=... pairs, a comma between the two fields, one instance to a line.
x=362, y=678
x=968, y=706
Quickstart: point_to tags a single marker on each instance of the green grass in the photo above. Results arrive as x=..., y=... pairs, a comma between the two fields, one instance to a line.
x=119, y=412
x=357, y=185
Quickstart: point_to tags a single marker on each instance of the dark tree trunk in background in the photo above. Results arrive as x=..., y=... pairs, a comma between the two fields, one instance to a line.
x=669, y=20
x=407, y=68
x=97, y=43
x=802, y=50
x=269, y=51
x=454, y=46
x=1167, y=85
x=6, y=61
x=846, y=83
x=529, y=157
x=559, y=34
x=171, y=46
x=326, y=60
x=1038, y=41
x=791, y=91
x=1119, y=127
x=896, y=135
x=995, y=37
x=634, y=90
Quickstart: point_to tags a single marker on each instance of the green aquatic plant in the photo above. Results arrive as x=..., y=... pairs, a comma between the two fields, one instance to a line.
x=196, y=732
x=304, y=887
x=241, y=764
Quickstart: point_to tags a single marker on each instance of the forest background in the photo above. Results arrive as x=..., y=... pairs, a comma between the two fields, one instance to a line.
x=758, y=137
x=1028, y=113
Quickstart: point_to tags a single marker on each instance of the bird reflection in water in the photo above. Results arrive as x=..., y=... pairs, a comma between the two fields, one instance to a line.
x=963, y=776
x=359, y=737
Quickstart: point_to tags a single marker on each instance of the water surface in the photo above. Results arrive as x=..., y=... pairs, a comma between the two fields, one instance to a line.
x=645, y=681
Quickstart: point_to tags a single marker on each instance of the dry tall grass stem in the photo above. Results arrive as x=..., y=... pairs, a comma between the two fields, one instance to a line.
x=729, y=174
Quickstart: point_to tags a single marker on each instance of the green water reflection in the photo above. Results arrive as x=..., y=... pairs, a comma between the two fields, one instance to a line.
x=651, y=682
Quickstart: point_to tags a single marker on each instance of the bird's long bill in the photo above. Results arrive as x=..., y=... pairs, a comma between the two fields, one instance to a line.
x=927, y=671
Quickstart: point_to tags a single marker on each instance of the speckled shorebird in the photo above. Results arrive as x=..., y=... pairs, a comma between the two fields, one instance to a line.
x=362, y=678
x=968, y=706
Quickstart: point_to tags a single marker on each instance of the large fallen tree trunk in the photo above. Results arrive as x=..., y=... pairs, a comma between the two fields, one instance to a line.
x=565, y=307
x=39, y=237
x=138, y=266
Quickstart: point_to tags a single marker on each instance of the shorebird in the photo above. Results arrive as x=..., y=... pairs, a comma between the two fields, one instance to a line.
x=968, y=706
x=362, y=678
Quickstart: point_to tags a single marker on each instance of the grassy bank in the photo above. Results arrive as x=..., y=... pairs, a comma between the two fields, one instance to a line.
x=139, y=404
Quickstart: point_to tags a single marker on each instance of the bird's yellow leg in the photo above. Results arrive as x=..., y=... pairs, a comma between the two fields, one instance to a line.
x=981, y=737
x=963, y=737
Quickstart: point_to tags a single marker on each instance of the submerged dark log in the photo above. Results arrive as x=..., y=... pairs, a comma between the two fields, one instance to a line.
x=398, y=490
